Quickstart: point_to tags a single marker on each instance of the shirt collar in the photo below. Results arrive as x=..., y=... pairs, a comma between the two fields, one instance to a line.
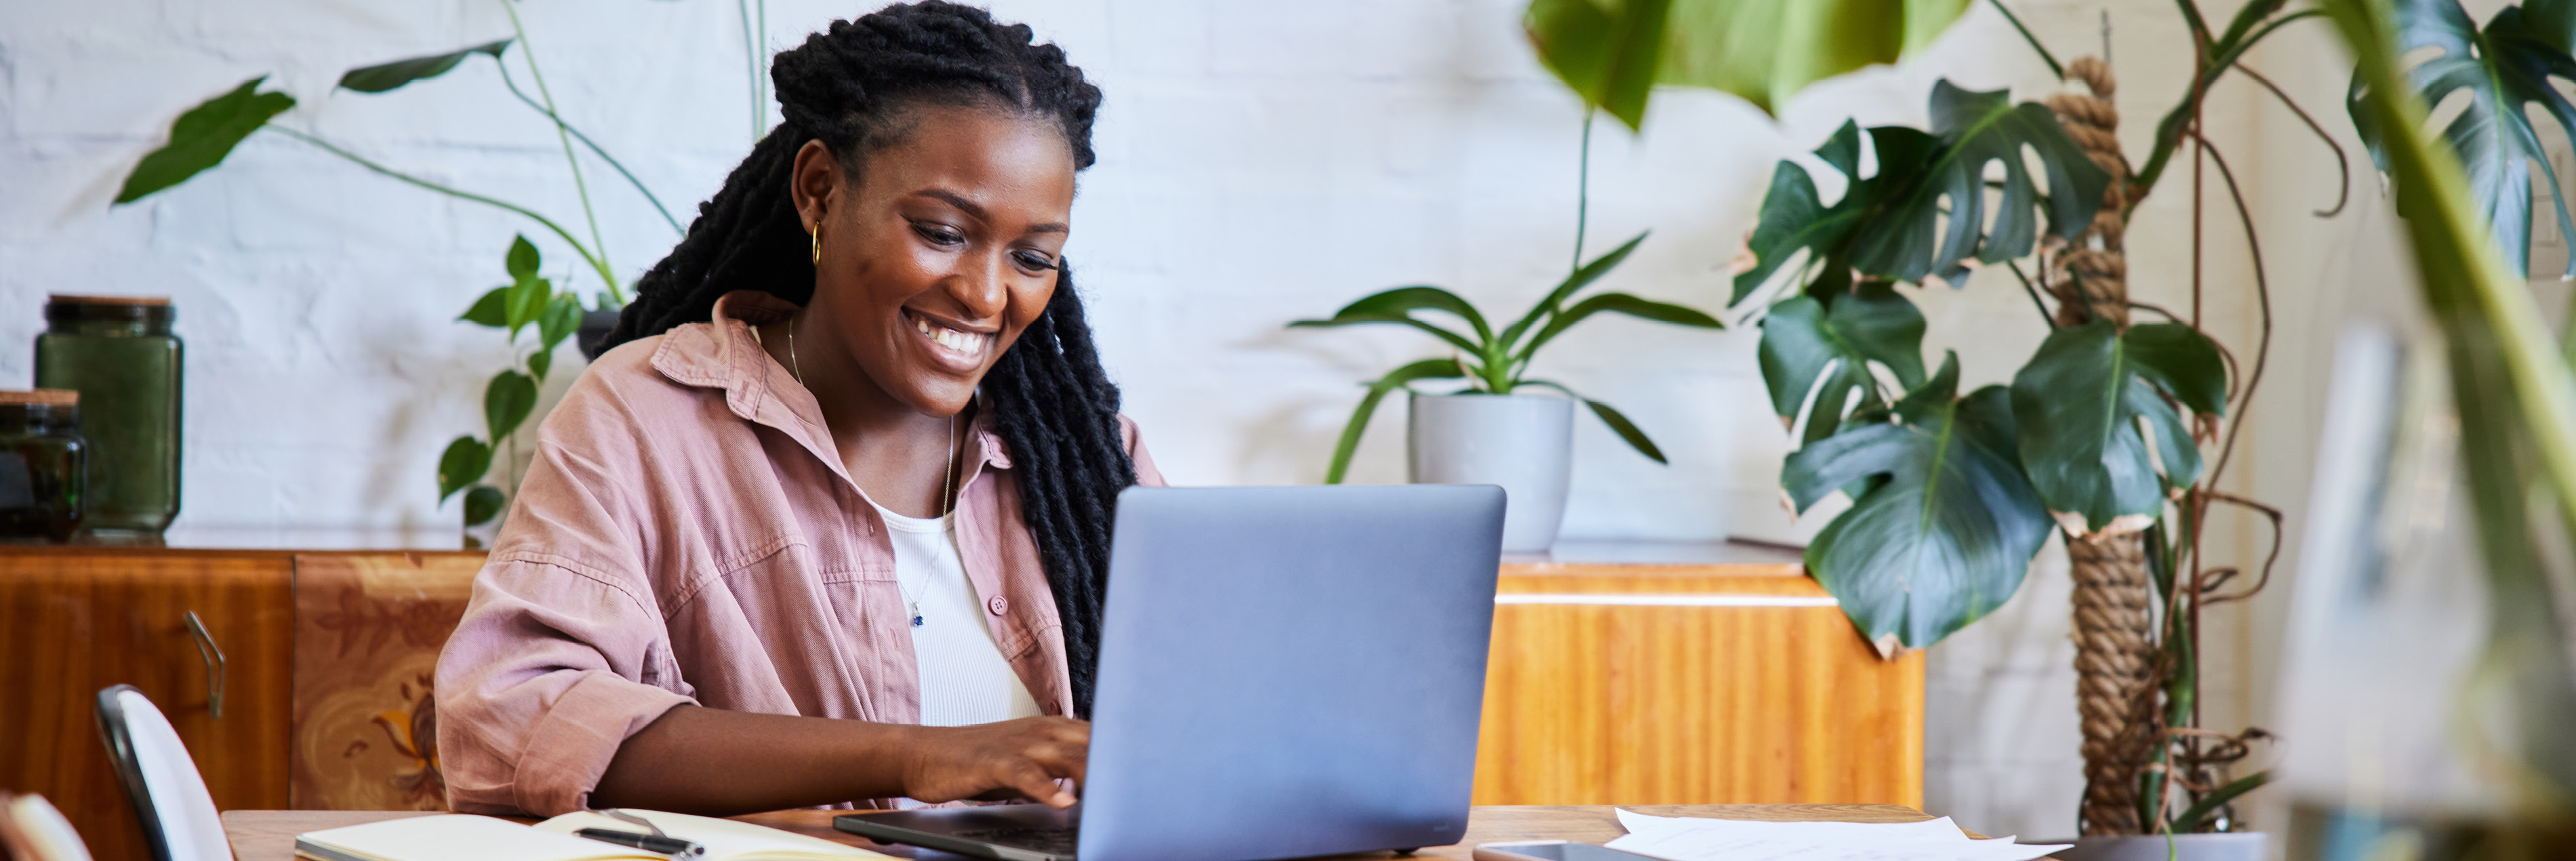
x=723, y=353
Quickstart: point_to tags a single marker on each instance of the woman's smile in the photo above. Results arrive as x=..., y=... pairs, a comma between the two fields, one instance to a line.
x=954, y=346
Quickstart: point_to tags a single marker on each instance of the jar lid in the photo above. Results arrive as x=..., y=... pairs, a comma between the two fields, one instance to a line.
x=44, y=397
x=65, y=307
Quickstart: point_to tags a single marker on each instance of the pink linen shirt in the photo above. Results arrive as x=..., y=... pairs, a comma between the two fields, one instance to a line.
x=688, y=534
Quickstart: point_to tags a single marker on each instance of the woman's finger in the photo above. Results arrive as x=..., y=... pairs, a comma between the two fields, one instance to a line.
x=1034, y=782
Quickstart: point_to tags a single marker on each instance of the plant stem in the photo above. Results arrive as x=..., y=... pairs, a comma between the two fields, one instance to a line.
x=751, y=60
x=2169, y=135
x=1582, y=190
x=594, y=146
x=529, y=50
x=2054, y=70
x=2033, y=290
x=596, y=264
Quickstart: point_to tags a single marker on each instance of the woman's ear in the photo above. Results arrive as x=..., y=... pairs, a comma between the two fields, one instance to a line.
x=813, y=181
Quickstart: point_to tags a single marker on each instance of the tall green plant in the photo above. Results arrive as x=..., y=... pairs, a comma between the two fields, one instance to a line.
x=2515, y=395
x=2101, y=432
x=202, y=137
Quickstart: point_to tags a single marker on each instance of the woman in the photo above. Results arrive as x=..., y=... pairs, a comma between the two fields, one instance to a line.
x=833, y=523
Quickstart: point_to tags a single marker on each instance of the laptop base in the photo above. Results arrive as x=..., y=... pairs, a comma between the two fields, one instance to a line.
x=1006, y=832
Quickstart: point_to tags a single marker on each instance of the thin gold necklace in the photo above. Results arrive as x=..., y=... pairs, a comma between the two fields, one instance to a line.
x=947, y=471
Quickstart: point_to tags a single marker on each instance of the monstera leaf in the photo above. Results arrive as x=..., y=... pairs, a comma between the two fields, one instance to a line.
x=1924, y=211
x=1976, y=130
x=2079, y=405
x=1947, y=525
x=2504, y=69
x=1611, y=52
x=1805, y=340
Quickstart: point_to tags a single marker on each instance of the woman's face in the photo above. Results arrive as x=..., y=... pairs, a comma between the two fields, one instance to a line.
x=943, y=250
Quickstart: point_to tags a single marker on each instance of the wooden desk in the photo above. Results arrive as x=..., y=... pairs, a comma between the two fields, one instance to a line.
x=1626, y=673
x=269, y=835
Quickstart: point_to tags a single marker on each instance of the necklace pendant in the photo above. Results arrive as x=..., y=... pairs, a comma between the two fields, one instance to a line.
x=916, y=615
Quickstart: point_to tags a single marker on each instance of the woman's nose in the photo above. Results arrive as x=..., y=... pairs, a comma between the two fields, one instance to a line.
x=982, y=287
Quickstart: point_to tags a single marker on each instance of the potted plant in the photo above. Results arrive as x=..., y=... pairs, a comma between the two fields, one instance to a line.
x=2113, y=433
x=202, y=137
x=1497, y=430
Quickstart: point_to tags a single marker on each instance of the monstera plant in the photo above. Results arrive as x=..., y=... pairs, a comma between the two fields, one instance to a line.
x=2113, y=433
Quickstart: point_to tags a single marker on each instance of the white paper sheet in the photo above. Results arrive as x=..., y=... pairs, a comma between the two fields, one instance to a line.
x=1697, y=839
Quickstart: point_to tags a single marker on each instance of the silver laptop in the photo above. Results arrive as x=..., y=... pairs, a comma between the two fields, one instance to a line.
x=1284, y=671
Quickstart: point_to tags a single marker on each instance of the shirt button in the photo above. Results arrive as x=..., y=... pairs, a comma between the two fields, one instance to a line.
x=999, y=605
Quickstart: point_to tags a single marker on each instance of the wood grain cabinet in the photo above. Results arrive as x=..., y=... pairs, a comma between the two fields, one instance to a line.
x=1712, y=676
x=307, y=699
x=1728, y=677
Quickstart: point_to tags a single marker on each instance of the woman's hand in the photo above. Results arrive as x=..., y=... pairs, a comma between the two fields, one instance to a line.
x=1019, y=758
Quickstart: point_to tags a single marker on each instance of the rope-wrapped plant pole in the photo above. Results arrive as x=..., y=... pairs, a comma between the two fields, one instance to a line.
x=2115, y=647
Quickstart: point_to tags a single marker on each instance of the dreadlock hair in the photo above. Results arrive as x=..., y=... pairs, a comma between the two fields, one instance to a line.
x=851, y=87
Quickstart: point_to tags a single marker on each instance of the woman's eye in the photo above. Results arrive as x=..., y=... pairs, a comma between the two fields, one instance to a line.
x=938, y=235
x=1033, y=261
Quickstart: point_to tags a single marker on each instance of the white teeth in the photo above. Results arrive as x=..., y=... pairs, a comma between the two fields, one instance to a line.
x=967, y=343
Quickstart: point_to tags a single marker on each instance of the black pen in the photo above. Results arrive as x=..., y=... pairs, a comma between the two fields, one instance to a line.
x=672, y=846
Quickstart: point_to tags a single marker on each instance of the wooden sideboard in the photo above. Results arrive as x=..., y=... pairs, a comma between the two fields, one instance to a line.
x=1690, y=674
x=1628, y=674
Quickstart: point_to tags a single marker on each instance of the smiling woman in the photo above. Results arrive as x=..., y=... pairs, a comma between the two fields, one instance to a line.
x=829, y=522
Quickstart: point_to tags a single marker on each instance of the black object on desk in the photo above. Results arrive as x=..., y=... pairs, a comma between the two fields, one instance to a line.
x=672, y=846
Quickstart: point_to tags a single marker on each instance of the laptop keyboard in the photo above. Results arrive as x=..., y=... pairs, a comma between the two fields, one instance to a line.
x=1053, y=841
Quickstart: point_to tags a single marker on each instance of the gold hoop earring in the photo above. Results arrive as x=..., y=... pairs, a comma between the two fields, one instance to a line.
x=818, y=243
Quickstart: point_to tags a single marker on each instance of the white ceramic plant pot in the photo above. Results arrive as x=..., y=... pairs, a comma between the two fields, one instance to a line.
x=1524, y=443
x=2233, y=846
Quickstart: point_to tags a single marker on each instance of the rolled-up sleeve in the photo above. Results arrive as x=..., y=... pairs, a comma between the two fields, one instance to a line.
x=562, y=653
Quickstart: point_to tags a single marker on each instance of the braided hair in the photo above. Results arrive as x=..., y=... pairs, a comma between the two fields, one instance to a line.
x=850, y=87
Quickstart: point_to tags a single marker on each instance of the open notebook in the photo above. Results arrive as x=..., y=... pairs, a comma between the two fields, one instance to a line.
x=458, y=837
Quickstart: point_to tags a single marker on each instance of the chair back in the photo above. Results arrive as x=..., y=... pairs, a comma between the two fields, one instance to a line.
x=178, y=814
x=31, y=829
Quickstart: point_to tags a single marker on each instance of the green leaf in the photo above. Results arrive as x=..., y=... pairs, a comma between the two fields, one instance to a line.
x=1946, y=528
x=1398, y=305
x=1804, y=341
x=1427, y=369
x=464, y=463
x=1794, y=217
x=482, y=504
x=562, y=318
x=2181, y=361
x=387, y=76
x=1618, y=422
x=540, y=362
x=1583, y=276
x=1608, y=53
x=1975, y=131
x=2190, y=819
x=522, y=260
x=1767, y=50
x=203, y=136
x=507, y=400
x=493, y=309
x=1627, y=430
x=2504, y=70
x=527, y=303
x=2078, y=404
x=1618, y=303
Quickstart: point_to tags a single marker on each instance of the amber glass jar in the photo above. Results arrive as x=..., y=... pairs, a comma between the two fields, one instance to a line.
x=44, y=464
x=117, y=351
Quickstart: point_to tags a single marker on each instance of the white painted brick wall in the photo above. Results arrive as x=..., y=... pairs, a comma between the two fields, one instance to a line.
x=1261, y=162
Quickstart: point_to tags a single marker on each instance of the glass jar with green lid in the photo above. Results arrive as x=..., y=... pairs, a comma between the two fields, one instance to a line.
x=43, y=464
x=118, y=353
